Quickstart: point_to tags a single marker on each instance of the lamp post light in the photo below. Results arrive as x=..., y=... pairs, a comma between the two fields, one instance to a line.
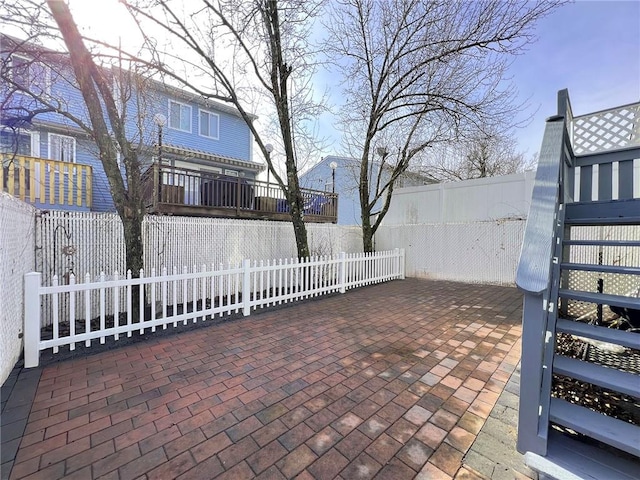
x=333, y=166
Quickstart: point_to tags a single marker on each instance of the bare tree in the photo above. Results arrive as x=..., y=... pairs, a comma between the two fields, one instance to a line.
x=478, y=157
x=417, y=74
x=242, y=53
x=99, y=118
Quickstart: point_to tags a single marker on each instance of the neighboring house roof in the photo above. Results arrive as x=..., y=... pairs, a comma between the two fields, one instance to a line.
x=353, y=163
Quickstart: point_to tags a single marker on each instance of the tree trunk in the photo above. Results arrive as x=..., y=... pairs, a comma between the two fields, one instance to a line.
x=132, y=226
x=367, y=235
x=96, y=93
x=296, y=203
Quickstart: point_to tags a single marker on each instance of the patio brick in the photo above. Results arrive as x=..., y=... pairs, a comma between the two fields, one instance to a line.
x=328, y=466
x=296, y=461
x=323, y=389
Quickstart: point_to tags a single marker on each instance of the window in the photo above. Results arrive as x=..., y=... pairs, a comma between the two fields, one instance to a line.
x=230, y=173
x=30, y=75
x=62, y=148
x=15, y=143
x=179, y=116
x=209, y=123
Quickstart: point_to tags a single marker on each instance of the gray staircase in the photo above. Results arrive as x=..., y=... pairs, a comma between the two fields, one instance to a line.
x=580, y=258
x=590, y=330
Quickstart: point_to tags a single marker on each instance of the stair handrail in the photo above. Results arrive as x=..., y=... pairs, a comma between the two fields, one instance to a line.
x=534, y=267
x=552, y=188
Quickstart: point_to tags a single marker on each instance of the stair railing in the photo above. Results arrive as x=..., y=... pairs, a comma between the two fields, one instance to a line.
x=553, y=188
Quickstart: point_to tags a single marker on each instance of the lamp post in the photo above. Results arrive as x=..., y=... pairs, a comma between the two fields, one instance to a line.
x=269, y=148
x=160, y=120
x=333, y=166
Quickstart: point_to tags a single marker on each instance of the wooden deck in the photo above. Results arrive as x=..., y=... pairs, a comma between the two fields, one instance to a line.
x=191, y=193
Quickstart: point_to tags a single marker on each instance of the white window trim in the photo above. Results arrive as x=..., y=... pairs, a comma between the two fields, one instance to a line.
x=61, y=136
x=217, y=135
x=169, y=116
x=30, y=61
x=231, y=173
x=35, y=144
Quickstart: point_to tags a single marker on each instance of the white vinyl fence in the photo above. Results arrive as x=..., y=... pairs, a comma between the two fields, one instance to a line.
x=173, y=298
x=17, y=246
x=478, y=252
x=83, y=242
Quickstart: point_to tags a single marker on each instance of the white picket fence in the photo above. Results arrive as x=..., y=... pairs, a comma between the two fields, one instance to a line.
x=173, y=298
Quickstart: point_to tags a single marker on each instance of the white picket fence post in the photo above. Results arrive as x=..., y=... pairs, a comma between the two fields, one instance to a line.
x=400, y=255
x=32, y=319
x=246, y=287
x=341, y=272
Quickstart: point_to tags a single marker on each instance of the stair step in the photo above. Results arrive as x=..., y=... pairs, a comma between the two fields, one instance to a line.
x=616, y=380
x=590, y=267
x=601, y=298
x=603, y=243
x=610, y=335
x=611, y=431
x=611, y=212
x=570, y=458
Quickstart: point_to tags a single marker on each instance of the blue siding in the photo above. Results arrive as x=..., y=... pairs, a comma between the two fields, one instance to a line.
x=319, y=178
x=347, y=181
x=234, y=136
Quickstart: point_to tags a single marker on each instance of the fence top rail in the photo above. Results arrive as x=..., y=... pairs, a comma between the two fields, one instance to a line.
x=204, y=271
x=25, y=158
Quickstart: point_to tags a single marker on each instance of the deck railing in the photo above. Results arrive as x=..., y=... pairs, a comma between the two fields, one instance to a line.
x=90, y=310
x=190, y=192
x=47, y=183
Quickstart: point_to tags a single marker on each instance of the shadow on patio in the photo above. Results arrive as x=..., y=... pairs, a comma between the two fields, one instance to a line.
x=390, y=381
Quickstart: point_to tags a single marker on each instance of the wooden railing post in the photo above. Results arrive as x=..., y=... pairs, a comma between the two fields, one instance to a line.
x=238, y=196
x=156, y=186
x=32, y=283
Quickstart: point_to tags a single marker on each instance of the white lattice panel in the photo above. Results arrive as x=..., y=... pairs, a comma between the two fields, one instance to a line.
x=480, y=252
x=17, y=247
x=615, y=284
x=607, y=130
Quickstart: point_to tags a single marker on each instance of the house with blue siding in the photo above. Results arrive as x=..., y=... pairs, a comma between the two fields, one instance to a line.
x=341, y=175
x=196, y=153
x=52, y=162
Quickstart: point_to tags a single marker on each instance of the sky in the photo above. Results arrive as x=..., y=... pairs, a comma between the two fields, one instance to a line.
x=590, y=47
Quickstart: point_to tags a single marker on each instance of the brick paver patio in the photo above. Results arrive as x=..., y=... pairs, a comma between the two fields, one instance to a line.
x=392, y=381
